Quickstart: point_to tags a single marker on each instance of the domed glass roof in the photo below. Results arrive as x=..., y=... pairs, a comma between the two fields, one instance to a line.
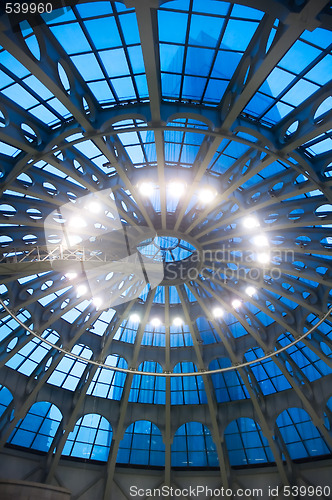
x=166, y=233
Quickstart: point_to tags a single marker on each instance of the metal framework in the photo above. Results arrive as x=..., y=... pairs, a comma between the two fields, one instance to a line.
x=276, y=169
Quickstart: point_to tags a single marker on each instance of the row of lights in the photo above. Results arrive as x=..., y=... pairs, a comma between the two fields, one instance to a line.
x=135, y=318
x=217, y=312
x=177, y=189
x=260, y=240
x=155, y=322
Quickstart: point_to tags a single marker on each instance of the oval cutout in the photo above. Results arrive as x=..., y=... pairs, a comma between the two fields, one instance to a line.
x=323, y=108
x=63, y=77
x=28, y=132
x=30, y=39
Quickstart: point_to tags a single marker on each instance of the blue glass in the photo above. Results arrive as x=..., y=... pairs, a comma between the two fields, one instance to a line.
x=193, y=87
x=301, y=437
x=115, y=62
x=107, y=383
x=298, y=57
x=38, y=427
x=130, y=28
x=231, y=38
x=320, y=37
x=205, y=30
x=211, y=7
x=148, y=389
x=90, y=439
x=228, y=385
x=88, y=66
x=19, y=95
x=97, y=29
x=124, y=88
x=172, y=26
x=299, y=92
x=246, y=443
x=187, y=390
x=5, y=399
x=193, y=447
x=90, y=9
x=71, y=37
x=142, y=444
x=68, y=372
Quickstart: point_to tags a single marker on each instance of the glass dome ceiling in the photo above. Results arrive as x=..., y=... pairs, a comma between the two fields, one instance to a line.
x=196, y=137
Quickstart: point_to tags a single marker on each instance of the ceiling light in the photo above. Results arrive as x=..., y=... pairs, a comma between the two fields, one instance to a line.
x=146, y=188
x=217, y=312
x=155, y=322
x=94, y=207
x=250, y=290
x=263, y=257
x=178, y=321
x=250, y=222
x=261, y=240
x=236, y=303
x=97, y=302
x=176, y=188
x=206, y=195
x=134, y=318
x=77, y=222
x=81, y=290
x=71, y=276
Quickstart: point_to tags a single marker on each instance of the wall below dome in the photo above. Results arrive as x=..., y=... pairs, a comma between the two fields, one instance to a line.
x=25, y=490
x=86, y=481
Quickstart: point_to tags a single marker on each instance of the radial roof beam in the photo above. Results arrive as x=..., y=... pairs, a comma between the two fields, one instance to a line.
x=308, y=126
x=118, y=435
x=282, y=220
x=146, y=15
x=204, y=156
x=253, y=71
x=168, y=423
x=227, y=188
x=46, y=70
x=31, y=395
x=79, y=397
x=258, y=406
x=212, y=405
x=280, y=362
x=14, y=133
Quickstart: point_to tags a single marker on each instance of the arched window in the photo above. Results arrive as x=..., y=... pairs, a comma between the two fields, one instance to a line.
x=38, y=427
x=246, y=444
x=142, y=444
x=69, y=371
x=187, y=390
x=269, y=377
x=229, y=385
x=328, y=414
x=90, y=439
x=310, y=364
x=107, y=383
x=5, y=399
x=193, y=446
x=146, y=388
x=301, y=437
x=31, y=354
